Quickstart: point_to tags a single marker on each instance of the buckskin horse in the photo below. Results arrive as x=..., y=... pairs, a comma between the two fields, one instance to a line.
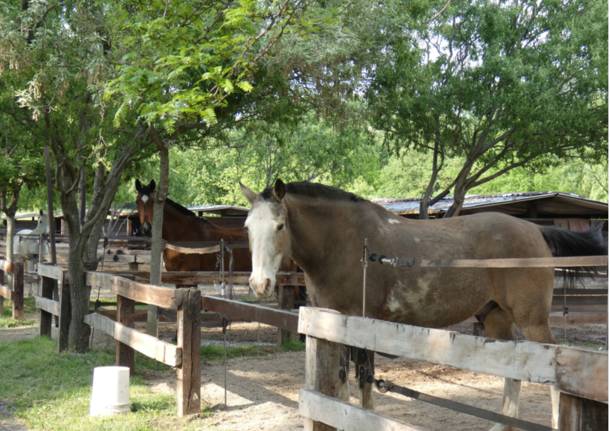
x=323, y=228
x=182, y=225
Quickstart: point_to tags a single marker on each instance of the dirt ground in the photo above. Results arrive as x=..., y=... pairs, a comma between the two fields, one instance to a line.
x=262, y=392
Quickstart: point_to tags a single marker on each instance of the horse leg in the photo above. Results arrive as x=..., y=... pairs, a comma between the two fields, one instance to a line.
x=498, y=324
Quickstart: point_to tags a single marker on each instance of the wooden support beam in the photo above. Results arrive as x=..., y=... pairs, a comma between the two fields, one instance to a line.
x=237, y=310
x=124, y=353
x=287, y=302
x=520, y=360
x=188, y=376
x=160, y=296
x=579, y=414
x=324, y=363
x=64, y=314
x=147, y=345
x=46, y=316
x=17, y=290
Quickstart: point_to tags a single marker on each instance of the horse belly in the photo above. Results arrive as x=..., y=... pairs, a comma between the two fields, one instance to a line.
x=437, y=298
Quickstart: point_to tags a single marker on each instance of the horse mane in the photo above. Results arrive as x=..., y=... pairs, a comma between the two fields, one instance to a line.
x=315, y=190
x=181, y=209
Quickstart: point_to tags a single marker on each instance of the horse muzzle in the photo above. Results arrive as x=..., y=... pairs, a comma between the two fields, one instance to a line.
x=263, y=286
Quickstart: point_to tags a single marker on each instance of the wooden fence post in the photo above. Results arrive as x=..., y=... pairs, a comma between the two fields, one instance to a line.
x=63, y=288
x=17, y=290
x=580, y=414
x=2, y=278
x=46, y=318
x=326, y=372
x=188, y=375
x=286, y=301
x=124, y=314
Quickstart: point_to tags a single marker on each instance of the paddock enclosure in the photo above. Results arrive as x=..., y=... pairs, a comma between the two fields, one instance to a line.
x=580, y=374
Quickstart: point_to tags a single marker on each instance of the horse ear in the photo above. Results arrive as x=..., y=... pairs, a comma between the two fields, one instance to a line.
x=138, y=186
x=152, y=185
x=279, y=189
x=249, y=194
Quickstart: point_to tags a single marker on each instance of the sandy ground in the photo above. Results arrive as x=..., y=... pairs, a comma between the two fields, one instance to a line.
x=262, y=392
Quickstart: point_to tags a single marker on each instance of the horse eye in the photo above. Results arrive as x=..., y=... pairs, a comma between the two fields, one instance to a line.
x=280, y=226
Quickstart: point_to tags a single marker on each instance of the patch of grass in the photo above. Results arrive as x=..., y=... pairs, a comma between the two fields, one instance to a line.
x=51, y=391
x=293, y=346
x=217, y=352
x=6, y=321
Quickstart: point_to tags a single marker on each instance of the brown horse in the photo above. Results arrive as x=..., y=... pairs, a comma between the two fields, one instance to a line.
x=182, y=225
x=323, y=228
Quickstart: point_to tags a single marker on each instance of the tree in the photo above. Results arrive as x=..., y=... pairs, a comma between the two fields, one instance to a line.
x=501, y=85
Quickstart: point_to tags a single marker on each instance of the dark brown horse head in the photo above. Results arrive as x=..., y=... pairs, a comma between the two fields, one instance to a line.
x=144, y=202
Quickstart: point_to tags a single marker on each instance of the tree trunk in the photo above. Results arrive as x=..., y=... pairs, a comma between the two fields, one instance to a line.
x=156, y=248
x=78, y=335
x=459, y=195
x=50, y=212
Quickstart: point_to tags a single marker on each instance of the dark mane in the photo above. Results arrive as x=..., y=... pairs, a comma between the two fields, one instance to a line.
x=315, y=190
x=180, y=208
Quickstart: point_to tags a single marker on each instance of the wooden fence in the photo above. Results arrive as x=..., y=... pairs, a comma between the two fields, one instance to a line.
x=11, y=287
x=53, y=302
x=184, y=356
x=580, y=375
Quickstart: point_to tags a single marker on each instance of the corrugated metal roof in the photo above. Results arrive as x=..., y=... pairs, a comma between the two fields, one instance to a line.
x=410, y=206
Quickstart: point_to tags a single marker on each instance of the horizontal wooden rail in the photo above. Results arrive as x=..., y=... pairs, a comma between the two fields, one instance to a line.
x=237, y=310
x=148, y=345
x=529, y=262
x=51, y=271
x=47, y=305
x=160, y=296
x=193, y=250
x=577, y=371
x=341, y=415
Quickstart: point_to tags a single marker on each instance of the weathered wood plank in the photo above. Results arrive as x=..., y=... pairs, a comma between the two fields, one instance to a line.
x=521, y=360
x=579, y=414
x=188, y=376
x=46, y=317
x=124, y=355
x=325, y=373
x=146, y=293
x=18, y=288
x=48, y=305
x=237, y=310
x=146, y=344
x=286, y=301
x=192, y=250
x=63, y=288
x=529, y=262
x=341, y=415
x=51, y=271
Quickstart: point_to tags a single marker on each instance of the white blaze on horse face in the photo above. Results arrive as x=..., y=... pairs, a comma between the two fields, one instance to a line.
x=144, y=198
x=268, y=242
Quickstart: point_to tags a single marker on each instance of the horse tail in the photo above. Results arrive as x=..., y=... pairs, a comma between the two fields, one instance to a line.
x=563, y=242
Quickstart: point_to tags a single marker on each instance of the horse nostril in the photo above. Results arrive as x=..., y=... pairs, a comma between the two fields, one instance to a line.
x=267, y=284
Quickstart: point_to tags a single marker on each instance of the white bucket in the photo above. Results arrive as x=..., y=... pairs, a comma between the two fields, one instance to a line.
x=110, y=391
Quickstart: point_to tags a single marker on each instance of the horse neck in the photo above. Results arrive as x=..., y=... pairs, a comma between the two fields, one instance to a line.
x=322, y=230
x=183, y=227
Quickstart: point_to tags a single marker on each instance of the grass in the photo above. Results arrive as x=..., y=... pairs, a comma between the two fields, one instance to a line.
x=51, y=391
x=6, y=321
